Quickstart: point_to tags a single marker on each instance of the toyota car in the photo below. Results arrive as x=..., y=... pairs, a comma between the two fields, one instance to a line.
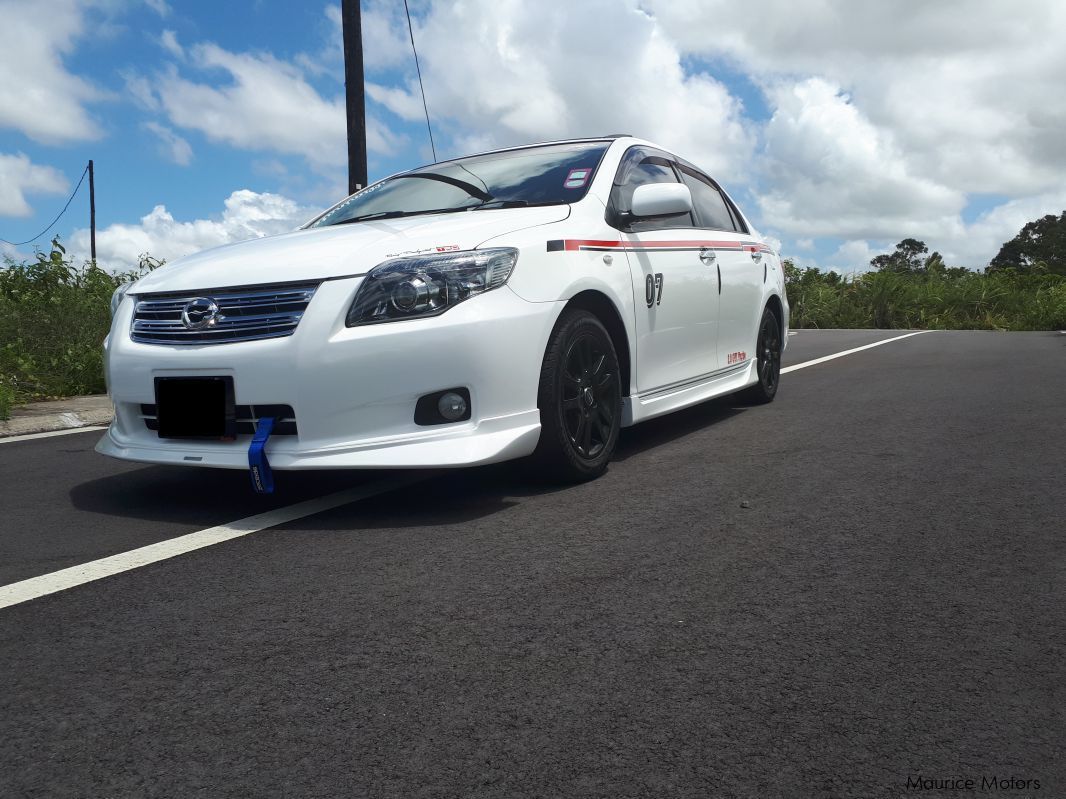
x=530, y=301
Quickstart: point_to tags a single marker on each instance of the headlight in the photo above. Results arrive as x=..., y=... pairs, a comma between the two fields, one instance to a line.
x=428, y=285
x=116, y=298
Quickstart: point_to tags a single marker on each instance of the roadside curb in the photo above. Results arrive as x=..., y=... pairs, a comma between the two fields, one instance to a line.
x=53, y=415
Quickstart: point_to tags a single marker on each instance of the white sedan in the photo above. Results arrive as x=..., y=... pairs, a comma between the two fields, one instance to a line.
x=527, y=301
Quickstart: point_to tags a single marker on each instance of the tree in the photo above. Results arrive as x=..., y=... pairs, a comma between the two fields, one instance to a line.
x=1039, y=246
x=908, y=258
x=934, y=264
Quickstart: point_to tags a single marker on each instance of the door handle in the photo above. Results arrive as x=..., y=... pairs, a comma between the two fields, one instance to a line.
x=756, y=256
x=708, y=256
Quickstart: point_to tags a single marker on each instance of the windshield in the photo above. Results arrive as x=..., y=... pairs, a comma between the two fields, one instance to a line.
x=549, y=175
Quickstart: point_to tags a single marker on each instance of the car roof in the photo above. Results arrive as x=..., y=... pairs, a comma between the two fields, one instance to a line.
x=607, y=139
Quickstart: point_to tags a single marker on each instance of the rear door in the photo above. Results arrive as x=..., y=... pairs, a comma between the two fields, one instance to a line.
x=675, y=293
x=738, y=263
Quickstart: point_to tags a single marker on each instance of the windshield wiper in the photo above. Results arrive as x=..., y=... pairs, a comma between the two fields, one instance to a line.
x=490, y=204
x=396, y=215
x=469, y=188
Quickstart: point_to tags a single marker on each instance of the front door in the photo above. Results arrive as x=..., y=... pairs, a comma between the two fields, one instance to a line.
x=676, y=300
x=675, y=291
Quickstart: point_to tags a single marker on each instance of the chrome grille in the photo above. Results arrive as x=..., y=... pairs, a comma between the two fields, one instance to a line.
x=244, y=314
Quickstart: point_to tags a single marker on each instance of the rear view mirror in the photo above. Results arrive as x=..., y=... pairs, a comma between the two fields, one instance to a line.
x=661, y=199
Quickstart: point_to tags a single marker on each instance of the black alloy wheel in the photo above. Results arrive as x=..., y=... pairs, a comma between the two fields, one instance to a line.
x=587, y=398
x=580, y=400
x=768, y=360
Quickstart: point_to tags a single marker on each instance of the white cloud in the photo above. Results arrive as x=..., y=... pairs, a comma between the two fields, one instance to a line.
x=502, y=72
x=970, y=89
x=945, y=100
x=161, y=7
x=385, y=41
x=971, y=245
x=172, y=146
x=267, y=105
x=247, y=215
x=141, y=92
x=852, y=257
x=19, y=176
x=977, y=243
x=833, y=173
x=169, y=42
x=38, y=95
x=406, y=103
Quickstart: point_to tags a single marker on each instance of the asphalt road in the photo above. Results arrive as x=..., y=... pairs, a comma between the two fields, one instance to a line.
x=859, y=585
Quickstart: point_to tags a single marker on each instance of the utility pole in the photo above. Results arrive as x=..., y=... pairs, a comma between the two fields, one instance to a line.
x=352, y=27
x=92, y=212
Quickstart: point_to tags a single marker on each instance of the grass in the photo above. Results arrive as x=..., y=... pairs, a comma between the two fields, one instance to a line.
x=53, y=320
x=953, y=299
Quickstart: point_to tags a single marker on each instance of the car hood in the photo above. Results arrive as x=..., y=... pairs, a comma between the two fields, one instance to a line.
x=340, y=250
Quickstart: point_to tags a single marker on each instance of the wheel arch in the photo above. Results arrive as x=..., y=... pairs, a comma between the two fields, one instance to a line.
x=773, y=302
x=600, y=305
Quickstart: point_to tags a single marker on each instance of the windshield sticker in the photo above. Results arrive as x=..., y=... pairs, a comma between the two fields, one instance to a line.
x=577, y=178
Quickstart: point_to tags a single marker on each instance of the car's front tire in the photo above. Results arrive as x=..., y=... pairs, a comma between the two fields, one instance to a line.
x=580, y=400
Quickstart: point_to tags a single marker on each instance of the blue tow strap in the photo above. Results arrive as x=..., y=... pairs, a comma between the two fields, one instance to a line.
x=262, y=477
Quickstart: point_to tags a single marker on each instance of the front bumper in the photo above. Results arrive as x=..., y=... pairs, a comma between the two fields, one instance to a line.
x=353, y=390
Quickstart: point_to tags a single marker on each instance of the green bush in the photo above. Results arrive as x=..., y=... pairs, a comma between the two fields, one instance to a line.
x=7, y=399
x=53, y=319
x=955, y=299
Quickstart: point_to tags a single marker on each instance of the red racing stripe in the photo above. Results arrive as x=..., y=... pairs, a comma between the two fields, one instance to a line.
x=694, y=244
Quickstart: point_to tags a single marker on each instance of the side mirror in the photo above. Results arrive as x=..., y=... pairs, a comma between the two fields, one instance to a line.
x=661, y=199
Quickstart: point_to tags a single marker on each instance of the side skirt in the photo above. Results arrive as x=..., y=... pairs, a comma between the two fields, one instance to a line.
x=650, y=404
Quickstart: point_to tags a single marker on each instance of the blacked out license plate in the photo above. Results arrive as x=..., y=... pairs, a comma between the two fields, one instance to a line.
x=195, y=407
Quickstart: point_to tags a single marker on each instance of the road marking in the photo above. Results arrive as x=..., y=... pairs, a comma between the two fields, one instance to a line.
x=63, y=579
x=31, y=436
x=825, y=358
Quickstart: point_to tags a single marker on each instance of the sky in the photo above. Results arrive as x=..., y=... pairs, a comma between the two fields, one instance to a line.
x=840, y=127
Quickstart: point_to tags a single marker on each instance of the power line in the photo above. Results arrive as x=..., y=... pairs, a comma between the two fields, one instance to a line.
x=418, y=69
x=53, y=222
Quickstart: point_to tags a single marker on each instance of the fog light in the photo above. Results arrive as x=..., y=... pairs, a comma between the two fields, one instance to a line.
x=447, y=406
x=451, y=406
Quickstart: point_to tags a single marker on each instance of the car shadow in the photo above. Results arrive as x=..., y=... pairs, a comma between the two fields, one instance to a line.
x=203, y=498
x=667, y=429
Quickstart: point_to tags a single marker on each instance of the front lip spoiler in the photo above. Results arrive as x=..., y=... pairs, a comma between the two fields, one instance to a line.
x=488, y=441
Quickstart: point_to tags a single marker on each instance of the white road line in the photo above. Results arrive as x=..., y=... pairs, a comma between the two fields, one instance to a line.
x=35, y=587
x=31, y=436
x=825, y=358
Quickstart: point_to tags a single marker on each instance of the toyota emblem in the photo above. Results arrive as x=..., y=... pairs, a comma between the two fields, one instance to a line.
x=199, y=313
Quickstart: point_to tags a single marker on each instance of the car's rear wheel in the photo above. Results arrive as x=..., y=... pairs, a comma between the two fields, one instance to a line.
x=768, y=361
x=580, y=400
